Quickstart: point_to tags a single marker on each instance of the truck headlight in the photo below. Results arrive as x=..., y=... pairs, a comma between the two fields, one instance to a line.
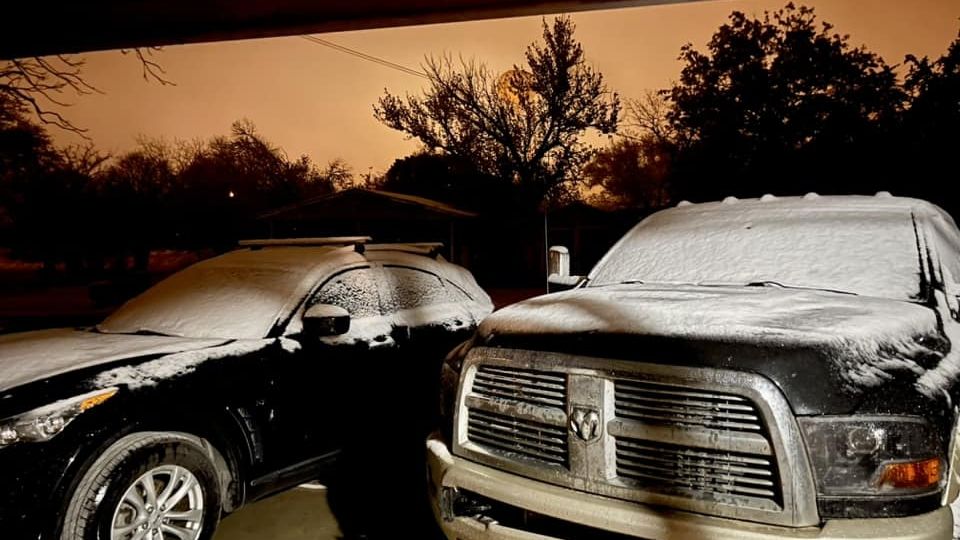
x=874, y=455
x=45, y=423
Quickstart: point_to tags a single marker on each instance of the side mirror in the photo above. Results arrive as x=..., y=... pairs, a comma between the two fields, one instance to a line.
x=323, y=320
x=558, y=268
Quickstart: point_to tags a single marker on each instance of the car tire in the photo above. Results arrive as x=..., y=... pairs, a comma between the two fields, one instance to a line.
x=114, y=493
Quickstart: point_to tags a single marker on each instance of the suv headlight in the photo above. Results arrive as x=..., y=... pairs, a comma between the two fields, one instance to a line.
x=874, y=455
x=44, y=423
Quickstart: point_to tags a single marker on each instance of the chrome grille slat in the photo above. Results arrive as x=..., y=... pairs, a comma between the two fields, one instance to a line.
x=523, y=386
x=695, y=453
x=667, y=419
x=545, y=435
x=524, y=374
x=522, y=450
x=656, y=388
x=485, y=389
x=748, y=420
x=703, y=463
x=517, y=386
x=654, y=402
x=709, y=405
x=653, y=480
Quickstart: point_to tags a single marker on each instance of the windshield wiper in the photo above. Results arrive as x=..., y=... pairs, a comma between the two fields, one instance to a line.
x=767, y=283
x=778, y=285
x=140, y=332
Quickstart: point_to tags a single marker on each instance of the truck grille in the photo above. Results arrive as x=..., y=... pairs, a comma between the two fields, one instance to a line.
x=706, y=440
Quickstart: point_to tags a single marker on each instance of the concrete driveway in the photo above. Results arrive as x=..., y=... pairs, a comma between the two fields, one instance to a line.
x=299, y=514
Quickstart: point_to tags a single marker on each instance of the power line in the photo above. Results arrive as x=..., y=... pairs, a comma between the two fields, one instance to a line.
x=364, y=56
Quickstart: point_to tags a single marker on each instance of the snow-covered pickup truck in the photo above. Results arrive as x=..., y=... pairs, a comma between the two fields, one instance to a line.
x=768, y=368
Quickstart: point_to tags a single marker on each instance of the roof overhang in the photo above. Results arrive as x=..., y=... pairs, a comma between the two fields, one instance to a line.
x=47, y=27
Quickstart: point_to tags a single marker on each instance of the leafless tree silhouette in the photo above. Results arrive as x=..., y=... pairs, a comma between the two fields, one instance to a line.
x=42, y=84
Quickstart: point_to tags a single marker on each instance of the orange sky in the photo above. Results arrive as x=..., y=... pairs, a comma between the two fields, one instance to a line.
x=312, y=100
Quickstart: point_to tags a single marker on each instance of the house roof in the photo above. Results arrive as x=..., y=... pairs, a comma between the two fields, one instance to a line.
x=358, y=203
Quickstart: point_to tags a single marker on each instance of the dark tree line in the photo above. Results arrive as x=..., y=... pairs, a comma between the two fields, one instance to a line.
x=784, y=104
x=781, y=103
x=80, y=207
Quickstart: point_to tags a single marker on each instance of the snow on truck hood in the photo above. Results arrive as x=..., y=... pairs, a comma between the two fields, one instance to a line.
x=33, y=356
x=868, y=337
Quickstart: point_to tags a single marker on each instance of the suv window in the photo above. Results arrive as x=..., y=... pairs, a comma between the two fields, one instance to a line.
x=353, y=290
x=411, y=288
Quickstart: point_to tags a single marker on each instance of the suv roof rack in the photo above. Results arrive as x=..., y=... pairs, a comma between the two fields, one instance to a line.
x=430, y=249
x=305, y=242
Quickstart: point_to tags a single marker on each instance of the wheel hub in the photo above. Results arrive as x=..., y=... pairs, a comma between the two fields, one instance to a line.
x=164, y=503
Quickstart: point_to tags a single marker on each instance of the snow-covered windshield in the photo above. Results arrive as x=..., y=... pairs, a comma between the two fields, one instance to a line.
x=869, y=253
x=211, y=300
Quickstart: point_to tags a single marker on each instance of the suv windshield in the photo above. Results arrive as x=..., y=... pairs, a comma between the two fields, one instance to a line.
x=210, y=301
x=871, y=253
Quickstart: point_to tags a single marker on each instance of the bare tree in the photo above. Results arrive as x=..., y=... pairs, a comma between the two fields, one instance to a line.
x=648, y=116
x=84, y=159
x=524, y=125
x=42, y=84
x=338, y=173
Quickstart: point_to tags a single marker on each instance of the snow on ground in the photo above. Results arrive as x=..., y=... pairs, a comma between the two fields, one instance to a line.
x=31, y=356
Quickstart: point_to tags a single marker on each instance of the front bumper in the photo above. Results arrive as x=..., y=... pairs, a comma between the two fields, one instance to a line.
x=612, y=516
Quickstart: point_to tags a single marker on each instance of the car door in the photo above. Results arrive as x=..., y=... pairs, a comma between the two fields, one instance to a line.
x=322, y=394
x=429, y=316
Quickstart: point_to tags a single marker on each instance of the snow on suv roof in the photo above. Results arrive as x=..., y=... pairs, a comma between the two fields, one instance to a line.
x=261, y=283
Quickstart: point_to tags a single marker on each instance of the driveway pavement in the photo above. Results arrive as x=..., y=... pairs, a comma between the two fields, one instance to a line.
x=299, y=514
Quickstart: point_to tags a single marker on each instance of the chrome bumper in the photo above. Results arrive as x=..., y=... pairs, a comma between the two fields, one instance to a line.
x=633, y=519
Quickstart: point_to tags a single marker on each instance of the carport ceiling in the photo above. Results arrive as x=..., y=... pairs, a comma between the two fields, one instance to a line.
x=42, y=27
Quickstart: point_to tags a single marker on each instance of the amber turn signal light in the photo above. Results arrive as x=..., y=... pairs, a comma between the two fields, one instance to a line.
x=911, y=474
x=95, y=400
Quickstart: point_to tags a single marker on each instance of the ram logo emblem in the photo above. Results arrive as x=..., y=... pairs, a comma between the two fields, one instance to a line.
x=585, y=423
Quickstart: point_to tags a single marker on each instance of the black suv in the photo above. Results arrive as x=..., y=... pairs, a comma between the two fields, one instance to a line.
x=235, y=378
x=766, y=368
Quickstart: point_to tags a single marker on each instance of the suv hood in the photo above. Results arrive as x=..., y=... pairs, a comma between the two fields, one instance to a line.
x=803, y=340
x=33, y=356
